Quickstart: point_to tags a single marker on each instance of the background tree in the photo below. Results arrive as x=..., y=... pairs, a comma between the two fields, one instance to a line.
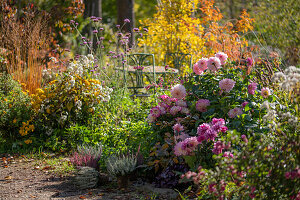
x=126, y=11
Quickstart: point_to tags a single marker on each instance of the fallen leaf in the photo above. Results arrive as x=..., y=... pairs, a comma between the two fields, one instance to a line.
x=8, y=177
x=48, y=167
x=5, y=166
x=82, y=197
x=32, y=196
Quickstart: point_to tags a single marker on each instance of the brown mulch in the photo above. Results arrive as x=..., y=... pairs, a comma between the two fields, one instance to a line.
x=20, y=179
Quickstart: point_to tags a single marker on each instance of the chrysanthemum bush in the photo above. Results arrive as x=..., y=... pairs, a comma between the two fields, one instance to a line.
x=71, y=97
x=214, y=100
x=15, y=110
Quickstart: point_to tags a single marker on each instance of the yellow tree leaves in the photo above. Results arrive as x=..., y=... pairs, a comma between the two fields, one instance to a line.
x=193, y=27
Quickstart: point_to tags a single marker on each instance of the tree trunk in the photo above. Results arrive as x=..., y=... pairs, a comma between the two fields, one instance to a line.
x=125, y=11
x=92, y=8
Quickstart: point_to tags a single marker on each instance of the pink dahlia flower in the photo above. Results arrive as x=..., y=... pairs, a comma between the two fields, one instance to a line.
x=213, y=64
x=226, y=84
x=182, y=136
x=185, y=110
x=151, y=118
x=155, y=111
x=178, y=91
x=203, y=128
x=251, y=88
x=189, y=145
x=178, y=150
x=162, y=110
x=202, y=104
x=175, y=109
x=178, y=128
x=222, y=56
x=200, y=66
x=181, y=103
x=265, y=92
x=235, y=112
x=218, y=147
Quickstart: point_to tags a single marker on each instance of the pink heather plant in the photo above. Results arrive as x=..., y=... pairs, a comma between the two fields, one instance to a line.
x=235, y=112
x=226, y=84
x=202, y=104
x=213, y=64
x=155, y=111
x=178, y=91
x=89, y=158
x=251, y=88
x=222, y=56
x=265, y=92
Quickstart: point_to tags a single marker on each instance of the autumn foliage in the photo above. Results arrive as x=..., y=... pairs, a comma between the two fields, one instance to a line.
x=194, y=27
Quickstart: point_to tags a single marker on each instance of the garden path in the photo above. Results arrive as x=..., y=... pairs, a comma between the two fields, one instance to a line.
x=21, y=178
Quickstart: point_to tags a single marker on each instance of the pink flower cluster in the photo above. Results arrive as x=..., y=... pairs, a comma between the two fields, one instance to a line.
x=202, y=105
x=235, y=112
x=212, y=63
x=168, y=105
x=210, y=131
x=138, y=67
x=186, y=147
x=226, y=84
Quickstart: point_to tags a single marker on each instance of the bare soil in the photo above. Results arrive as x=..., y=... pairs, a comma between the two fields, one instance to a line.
x=20, y=180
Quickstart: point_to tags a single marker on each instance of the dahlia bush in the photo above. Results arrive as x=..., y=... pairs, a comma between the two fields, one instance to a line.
x=213, y=115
